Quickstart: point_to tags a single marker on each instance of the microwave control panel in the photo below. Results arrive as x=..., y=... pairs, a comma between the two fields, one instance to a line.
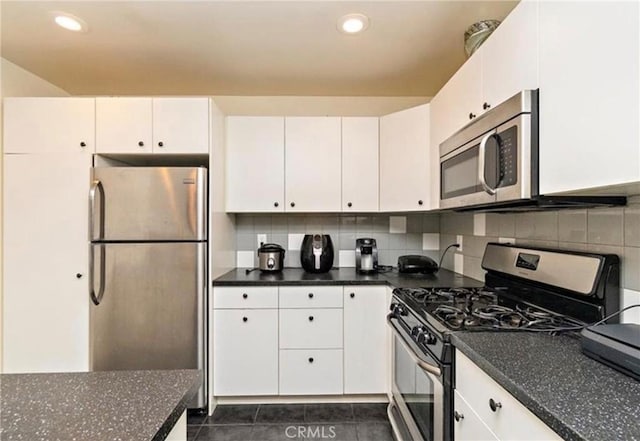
x=508, y=154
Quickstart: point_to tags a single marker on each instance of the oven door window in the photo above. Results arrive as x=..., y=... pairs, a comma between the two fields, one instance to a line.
x=421, y=392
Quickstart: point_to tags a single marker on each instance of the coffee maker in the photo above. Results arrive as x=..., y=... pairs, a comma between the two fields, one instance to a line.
x=366, y=255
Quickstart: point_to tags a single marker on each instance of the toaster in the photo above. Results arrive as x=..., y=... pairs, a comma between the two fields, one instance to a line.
x=416, y=264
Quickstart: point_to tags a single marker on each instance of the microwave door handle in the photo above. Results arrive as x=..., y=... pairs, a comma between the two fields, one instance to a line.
x=481, y=164
x=429, y=368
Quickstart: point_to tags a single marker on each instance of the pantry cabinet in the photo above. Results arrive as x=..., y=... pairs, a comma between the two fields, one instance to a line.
x=313, y=164
x=500, y=413
x=45, y=294
x=589, y=95
x=152, y=125
x=49, y=125
x=404, y=160
x=255, y=164
x=365, y=339
x=360, y=164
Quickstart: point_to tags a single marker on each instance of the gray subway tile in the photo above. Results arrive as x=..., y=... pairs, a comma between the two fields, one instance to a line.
x=414, y=241
x=246, y=241
x=456, y=223
x=280, y=239
x=632, y=226
x=473, y=267
x=572, y=226
x=380, y=224
x=537, y=226
x=431, y=223
x=296, y=224
x=414, y=223
x=292, y=259
x=262, y=224
x=606, y=226
x=397, y=241
x=244, y=223
x=347, y=224
x=347, y=241
x=382, y=240
x=279, y=223
x=631, y=269
x=474, y=245
x=492, y=224
x=573, y=246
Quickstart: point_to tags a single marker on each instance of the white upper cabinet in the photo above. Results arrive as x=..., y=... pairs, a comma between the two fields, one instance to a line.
x=589, y=95
x=510, y=56
x=360, y=164
x=181, y=125
x=404, y=160
x=255, y=164
x=152, y=125
x=49, y=125
x=312, y=164
x=460, y=100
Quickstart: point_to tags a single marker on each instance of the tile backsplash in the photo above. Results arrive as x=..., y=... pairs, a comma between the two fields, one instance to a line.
x=395, y=235
x=603, y=230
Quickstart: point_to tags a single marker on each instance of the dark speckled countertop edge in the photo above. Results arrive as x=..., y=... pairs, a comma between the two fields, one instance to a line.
x=566, y=432
x=181, y=407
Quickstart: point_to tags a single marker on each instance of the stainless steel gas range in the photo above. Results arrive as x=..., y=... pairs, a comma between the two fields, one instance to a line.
x=526, y=290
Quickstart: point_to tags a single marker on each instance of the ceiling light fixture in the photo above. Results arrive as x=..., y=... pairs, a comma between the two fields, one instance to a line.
x=353, y=23
x=70, y=22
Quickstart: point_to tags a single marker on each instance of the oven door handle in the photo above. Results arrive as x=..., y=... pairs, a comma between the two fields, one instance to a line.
x=482, y=150
x=427, y=367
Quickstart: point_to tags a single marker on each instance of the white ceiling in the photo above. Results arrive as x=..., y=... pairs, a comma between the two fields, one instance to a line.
x=243, y=47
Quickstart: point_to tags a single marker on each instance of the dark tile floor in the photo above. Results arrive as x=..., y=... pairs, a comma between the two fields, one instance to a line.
x=286, y=422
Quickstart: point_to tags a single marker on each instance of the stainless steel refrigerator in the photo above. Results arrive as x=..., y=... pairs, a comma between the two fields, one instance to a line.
x=148, y=269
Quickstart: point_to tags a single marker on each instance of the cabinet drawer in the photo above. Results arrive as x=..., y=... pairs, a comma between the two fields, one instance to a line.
x=511, y=420
x=311, y=328
x=311, y=297
x=311, y=372
x=469, y=426
x=247, y=297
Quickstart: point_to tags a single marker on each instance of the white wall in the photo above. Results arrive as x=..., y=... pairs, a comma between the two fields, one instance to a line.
x=15, y=81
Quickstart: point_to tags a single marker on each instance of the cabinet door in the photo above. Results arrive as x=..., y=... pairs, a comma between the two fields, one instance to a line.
x=589, y=95
x=49, y=125
x=181, y=125
x=365, y=340
x=404, y=160
x=245, y=357
x=123, y=125
x=360, y=164
x=467, y=425
x=510, y=56
x=460, y=100
x=312, y=164
x=255, y=164
x=46, y=299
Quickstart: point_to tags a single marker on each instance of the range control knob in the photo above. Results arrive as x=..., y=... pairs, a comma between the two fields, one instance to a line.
x=398, y=309
x=427, y=338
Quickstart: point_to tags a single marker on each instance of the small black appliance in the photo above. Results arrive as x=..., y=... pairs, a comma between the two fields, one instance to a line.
x=316, y=253
x=416, y=264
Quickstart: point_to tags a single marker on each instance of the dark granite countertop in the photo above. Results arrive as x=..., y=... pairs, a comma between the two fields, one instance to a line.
x=576, y=396
x=94, y=406
x=344, y=276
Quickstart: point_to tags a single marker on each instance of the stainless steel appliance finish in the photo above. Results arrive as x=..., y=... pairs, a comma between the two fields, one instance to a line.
x=492, y=164
x=366, y=255
x=271, y=257
x=148, y=270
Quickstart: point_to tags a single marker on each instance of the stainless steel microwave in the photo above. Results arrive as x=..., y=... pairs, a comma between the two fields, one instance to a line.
x=494, y=158
x=491, y=164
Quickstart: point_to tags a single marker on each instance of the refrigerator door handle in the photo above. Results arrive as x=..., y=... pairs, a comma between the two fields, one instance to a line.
x=96, y=299
x=96, y=186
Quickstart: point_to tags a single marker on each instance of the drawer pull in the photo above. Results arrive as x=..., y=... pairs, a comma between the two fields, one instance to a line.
x=494, y=405
x=310, y=318
x=245, y=295
x=244, y=319
x=352, y=295
x=310, y=359
x=310, y=295
x=458, y=416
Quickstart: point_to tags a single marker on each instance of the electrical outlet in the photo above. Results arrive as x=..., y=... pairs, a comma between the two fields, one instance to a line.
x=262, y=239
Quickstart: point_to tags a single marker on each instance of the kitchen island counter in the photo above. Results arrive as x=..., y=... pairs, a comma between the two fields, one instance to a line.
x=94, y=406
x=345, y=276
x=579, y=398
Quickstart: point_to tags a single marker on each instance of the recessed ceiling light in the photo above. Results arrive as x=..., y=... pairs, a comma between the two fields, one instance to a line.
x=353, y=23
x=70, y=22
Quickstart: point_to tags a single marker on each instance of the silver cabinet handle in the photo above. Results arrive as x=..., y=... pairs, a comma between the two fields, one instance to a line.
x=435, y=370
x=96, y=299
x=481, y=164
x=96, y=186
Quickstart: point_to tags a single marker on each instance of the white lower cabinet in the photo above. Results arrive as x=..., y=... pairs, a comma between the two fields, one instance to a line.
x=502, y=413
x=300, y=340
x=245, y=348
x=310, y=328
x=311, y=372
x=467, y=424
